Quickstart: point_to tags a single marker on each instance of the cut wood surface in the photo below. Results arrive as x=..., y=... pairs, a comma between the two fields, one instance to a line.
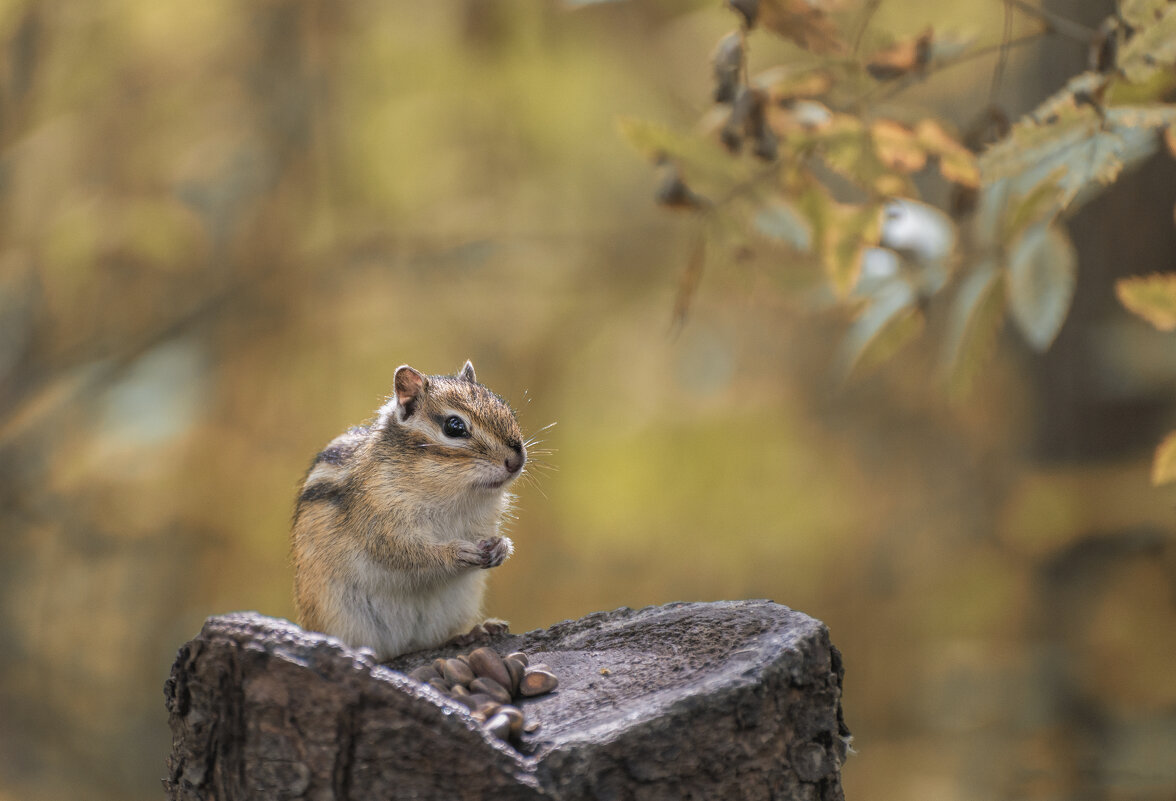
x=728, y=700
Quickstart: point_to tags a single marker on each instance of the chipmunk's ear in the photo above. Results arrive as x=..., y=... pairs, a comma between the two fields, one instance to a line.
x=409, y=385
x=467, y=372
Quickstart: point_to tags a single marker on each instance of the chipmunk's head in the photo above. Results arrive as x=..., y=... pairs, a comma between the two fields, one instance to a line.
x=466, y=437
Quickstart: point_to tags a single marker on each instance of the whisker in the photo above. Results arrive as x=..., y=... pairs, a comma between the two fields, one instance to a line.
x=533, y=482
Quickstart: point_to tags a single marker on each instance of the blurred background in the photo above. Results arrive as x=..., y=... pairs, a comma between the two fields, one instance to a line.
x=224, y=224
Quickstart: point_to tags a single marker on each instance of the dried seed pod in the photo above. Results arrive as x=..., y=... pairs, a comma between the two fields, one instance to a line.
x=499, y=726
x=766, y=145
x=537, y=682
x=520, y=656
x=756, y=127
x=516, y=718
x=424, y=673
x=731, y=134
x=486, y=662
x=727, y=63
x=516, y=669
x=457, y=672
x=490, y=687
x=673, y=192
x=440, y=685
x=748, y=9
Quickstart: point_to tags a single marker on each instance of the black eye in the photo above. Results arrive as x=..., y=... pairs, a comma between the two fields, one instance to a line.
x=454, y=426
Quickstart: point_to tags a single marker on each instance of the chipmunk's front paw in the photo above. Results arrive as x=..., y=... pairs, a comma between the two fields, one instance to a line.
x=494, y=551
x=482, y=632
x=469, y=554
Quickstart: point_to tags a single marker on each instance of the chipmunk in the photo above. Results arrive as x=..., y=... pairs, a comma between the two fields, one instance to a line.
x=397, y=522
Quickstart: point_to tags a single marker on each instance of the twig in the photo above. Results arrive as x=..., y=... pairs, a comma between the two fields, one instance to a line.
x=945, y=65
x=1003, y=59
x=868, y=14
x=1066, y=27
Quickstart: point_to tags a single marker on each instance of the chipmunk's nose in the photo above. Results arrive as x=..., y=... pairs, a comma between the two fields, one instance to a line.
x=514, y=462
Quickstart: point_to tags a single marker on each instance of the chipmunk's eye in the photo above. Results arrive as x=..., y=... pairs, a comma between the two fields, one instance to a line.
x=454, y=426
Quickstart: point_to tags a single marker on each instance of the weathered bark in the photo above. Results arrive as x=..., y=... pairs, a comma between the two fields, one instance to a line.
x=732, y=700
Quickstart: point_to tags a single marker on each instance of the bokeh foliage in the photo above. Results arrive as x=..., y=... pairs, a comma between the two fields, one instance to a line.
x=225, y=224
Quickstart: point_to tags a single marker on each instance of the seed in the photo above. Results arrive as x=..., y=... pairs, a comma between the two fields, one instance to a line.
x=457, y=672
x=488, y=709
x=531, y=726
x=519, y=655
x=516, y=719
x=540, y=666
x=467, y=700
x=424, y=673
x=491, y=688
x=516, y=669
x=499, y=726
x=458, y=690
x=463, y=658
x=537, y=682
x=487, y=663
x=439, y=666
x=440, y=685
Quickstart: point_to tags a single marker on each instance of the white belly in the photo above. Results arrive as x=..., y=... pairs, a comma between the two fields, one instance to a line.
x=393, y=613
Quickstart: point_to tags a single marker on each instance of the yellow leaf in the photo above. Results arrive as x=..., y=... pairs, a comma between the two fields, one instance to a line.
x=956, y=162
x=1152, y=297
x=902, y=58
x=1164, y=463
x=896, y=146
x=848, y=231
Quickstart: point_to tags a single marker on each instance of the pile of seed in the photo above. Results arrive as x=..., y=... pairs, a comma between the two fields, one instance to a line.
x=487, y=683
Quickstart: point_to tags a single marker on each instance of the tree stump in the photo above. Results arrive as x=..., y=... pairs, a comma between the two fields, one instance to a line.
x=729, y=700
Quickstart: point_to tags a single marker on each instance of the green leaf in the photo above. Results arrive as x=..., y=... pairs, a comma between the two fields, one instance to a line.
x=1040, y=203
x=890, y=321
x=1164, y=463
x=973, y=323
x=700, y=160
x=1152, y=297
x=1067, y=136
x=1138, y=13
x=1041, y=274
x=779, y=222
x=1151, y=49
